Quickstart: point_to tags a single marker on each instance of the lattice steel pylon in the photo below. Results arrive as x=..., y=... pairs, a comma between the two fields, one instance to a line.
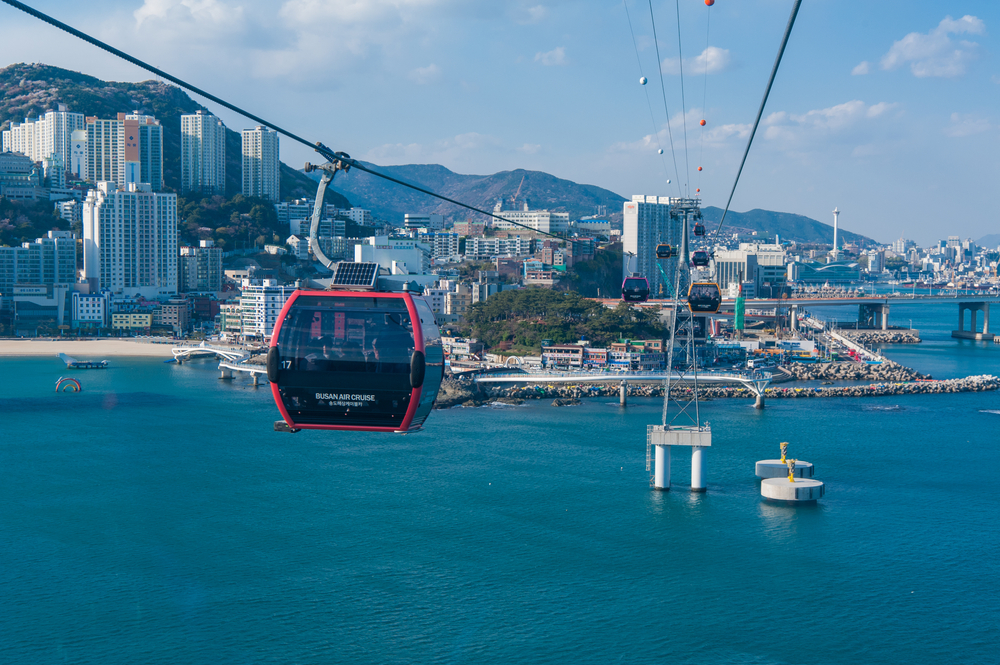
x=684, y=427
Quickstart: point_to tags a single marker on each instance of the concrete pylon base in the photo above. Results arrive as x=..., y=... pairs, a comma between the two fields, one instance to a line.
x=800, y=491
x=775, y=468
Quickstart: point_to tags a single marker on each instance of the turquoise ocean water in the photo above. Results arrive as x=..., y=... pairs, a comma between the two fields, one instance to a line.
x=156, y=518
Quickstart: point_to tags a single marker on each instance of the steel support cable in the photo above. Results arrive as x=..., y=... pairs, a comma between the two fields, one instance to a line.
x=326, y=152
x=663, y=91
x=684, y=122
x=760, y=112
x=649, y=104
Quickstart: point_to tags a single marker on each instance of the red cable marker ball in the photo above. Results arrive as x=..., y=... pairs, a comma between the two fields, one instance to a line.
x=709, y=3
x=699, y=168
x=698, y=190
x=702, y=123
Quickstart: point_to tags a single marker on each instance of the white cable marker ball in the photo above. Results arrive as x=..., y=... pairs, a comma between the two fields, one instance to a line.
x=642, y=80
x=660, y=151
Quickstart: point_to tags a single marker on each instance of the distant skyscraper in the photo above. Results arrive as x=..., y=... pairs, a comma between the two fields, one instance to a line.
x=260, y=163
x=203, y=154
x=49, y=260
x=126, y=150
x=78, y=154
x=646, y=222
x=130, y=240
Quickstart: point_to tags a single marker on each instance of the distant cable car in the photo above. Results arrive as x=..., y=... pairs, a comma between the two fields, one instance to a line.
x=665, y=251
x=355, y=360
x=704, y=297
x=699, y=229
x=700, y=258
x=635, y=289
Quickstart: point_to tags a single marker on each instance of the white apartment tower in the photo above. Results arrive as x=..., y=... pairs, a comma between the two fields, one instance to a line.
x=48, y=134
x=646, y=222
x=203, y=154
x=128, y=149
x=260, y=163
x=130, y=240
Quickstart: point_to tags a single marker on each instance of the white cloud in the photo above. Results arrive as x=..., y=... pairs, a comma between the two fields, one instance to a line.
x=535, y=14
x=530, y=148
x=709, y=137
x=424, y=75
x=555, y=57
x=711, y=61
x=937, y=53
x=863, y=68
x=967, y=124
x=818, y=129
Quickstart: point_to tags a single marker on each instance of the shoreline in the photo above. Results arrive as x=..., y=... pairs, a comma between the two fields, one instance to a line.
x=84, y=349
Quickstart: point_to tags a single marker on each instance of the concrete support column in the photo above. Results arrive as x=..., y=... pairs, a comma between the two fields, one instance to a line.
x=256, y=379
x=961, y=317
x=623, y=393
x=986, y=318
x=697, y=469
x=759, y=402
x=885, y=317
x=226, y=374
x=972, y=319
x=661, y=477
x=794, y=316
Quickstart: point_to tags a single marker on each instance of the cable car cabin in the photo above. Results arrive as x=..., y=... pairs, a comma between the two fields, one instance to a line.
x=664, y=251
x=699, y=229
x=704, y=297
x=635, y=289
x=352, y=360
x=700, y=258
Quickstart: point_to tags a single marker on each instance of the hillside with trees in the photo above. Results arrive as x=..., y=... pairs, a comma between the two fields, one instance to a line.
x=520, y=319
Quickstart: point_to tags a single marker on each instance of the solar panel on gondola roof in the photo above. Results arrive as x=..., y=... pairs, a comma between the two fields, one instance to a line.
x=363, y=275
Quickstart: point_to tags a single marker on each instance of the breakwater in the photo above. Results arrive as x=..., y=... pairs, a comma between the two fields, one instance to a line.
x=870, y=337
x=885, y=372
x=465, y=393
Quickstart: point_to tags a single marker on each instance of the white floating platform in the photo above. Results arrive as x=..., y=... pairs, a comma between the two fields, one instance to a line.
x=802, y=490
x=775, y=468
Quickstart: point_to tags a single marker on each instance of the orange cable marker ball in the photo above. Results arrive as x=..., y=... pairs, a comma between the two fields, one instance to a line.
x=698, y=190
x=702, y=123
x=709, y=3
x=699, y=168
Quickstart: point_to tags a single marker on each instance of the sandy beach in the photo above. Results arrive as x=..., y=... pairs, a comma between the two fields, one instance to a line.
x=85, y=349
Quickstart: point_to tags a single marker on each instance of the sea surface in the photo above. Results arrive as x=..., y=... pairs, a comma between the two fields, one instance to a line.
x=157, y=518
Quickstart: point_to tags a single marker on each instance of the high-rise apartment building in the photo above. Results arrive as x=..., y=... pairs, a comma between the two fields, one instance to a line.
x=203, y=154
x=48, y=134
x=260, y=163
x=260, y=303
x=128, y=149
x=647, y=222
x=78, y=154
x=130, y=240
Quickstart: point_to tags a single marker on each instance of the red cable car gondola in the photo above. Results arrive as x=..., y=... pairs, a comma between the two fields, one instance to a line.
x=635, y=289
x=699, y=229
x=704, y=297
x=355, y=360
x=700, y=258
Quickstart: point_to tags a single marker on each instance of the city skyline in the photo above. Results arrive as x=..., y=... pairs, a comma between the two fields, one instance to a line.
x=878, y=112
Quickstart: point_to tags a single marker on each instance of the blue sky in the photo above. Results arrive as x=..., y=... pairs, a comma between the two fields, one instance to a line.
x=887, y=110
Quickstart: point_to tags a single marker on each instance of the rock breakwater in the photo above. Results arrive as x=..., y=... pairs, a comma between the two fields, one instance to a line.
x=870, y=337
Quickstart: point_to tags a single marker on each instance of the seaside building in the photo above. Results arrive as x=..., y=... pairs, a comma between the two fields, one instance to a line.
x=538, y=220
x=130, y=240
x=91, y=310
x=48, y=261
x=200, y=268
x=647, y=222
x=260, y=163
x=203, y=154
x=260, y=303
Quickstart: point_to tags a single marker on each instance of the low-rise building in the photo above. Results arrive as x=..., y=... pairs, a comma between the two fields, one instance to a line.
x=133, y=321
x=91, y=310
